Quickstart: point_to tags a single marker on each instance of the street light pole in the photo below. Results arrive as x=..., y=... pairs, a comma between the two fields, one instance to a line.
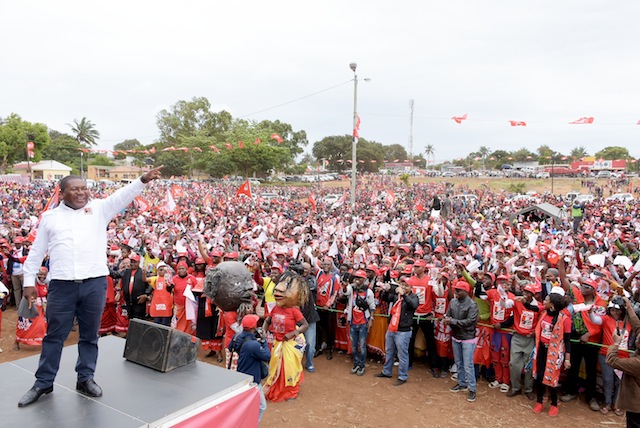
x=354, y=143
x=81, y=164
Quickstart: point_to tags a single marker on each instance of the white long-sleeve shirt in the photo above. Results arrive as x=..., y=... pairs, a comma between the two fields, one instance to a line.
x=76, y=240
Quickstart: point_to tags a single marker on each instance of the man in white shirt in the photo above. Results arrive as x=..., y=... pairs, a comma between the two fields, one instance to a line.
x=74, y=236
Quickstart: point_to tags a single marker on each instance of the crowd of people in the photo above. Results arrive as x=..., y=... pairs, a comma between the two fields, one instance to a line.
x=470, y=285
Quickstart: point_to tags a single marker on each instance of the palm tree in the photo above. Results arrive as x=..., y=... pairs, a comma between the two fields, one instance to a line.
x=484, y=152
x=578, y=153
x=430, y=151
x=85, y=132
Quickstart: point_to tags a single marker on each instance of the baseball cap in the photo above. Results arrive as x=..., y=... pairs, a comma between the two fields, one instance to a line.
x=557, y=290
x=216, y=253
x=200, y=261
x=462, y=285
x=134, y=257
x=420, y=263
x=250, y=321
x=360, y=274
x=589, y=282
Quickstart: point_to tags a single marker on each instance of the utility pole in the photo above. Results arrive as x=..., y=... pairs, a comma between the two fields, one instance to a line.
x=411, y=131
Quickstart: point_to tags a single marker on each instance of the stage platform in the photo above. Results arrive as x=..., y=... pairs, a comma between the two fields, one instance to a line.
x=195, y=395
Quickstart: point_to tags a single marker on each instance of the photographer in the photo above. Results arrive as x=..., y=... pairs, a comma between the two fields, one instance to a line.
x=252, y=350
x=310, y=314
x=359, y=311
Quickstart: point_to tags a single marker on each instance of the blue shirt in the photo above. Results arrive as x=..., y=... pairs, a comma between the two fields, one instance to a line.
x=251, y=355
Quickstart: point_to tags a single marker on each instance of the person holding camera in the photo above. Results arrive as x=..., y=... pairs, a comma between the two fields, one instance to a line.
x=360, y=308
x=252, y=351
x=404, y=303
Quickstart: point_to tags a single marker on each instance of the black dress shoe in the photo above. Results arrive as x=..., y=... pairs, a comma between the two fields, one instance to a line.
x=90, y=388
x=33, y=395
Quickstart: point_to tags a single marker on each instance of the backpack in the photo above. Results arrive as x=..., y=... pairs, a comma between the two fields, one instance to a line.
x=264, y=367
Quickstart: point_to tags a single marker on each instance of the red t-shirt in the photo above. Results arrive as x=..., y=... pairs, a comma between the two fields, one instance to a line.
x=179, y=285
x=497, y=312
x=547, y=327
x=524, y=320
x=283, y=321
x=422, y=289
x=609, y=325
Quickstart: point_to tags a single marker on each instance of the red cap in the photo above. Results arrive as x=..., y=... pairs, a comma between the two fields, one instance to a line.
x=590, y=282
x=360, y=274
x=216, y=253
x=18, y=240
x=439, y=249
x=183, y=264
x=461, y=248
x=505, y=277
x=134, y=257
x=394, y=274
x=420, y=263
x=183, y=254
x=200, y=261
x=462, y=285
x=250, y=321
x=531, y=288
x=373, y=268
x=114, y=248
x=408, y=269
x=232, y=255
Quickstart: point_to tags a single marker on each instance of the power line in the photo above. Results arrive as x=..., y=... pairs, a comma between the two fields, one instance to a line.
x=295, y=100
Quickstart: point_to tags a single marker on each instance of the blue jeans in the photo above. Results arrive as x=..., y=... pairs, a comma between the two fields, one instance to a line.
x=610, y=382
x=263, y=403
x=463, y=354
x=359, y=344
x=66, y=300
x=397, y=343
x=162, y=321
x=310, y=338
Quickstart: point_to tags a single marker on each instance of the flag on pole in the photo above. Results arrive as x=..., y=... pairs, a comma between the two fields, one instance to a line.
x=517, y=123
x=277, y=137
x=340, y=202
x=312, y=201
x=215, y=149
x=245, y=189
x=356, y=134
x=53, y=201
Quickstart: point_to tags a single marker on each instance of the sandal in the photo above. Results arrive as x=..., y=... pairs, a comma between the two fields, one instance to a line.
x=605, y=410
x=618, y=412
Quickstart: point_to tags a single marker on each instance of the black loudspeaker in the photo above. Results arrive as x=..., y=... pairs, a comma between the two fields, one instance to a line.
x=159, y=347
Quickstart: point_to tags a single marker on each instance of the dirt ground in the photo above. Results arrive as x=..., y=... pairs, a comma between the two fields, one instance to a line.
x=332, y=397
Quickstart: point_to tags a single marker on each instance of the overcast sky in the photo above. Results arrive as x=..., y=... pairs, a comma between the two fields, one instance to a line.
x=119, y=63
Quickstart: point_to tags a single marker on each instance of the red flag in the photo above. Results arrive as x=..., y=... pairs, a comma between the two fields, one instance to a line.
x=197, y=149
x=459, y=119
x=360, y=161
x=141, y=204
x=582, y=121
x=257, y=141
x=390, y=198
x=240, y=144
x=341, y=201
x=30, y=145
x=215, y=149
x=312, y=201
x=176, y=191
x=374, y=161
x=229, y=146
x=356, y=134
x=184, y=149
x=396, y=160
x=419, y=206
x=244, y=189
x=277, y=137
x=169, y=149
x=517, y=123
x=153, y=150
x=31, y=154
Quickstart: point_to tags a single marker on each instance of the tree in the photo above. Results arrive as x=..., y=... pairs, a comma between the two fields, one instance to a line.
x=395, y=151
x=133, y=144
x=578, y=153
x=336, y=149
x=15, y=133
x=613, y=152
x=64, y=149
x=430, y=151
x=85, y=132
x=101, y=160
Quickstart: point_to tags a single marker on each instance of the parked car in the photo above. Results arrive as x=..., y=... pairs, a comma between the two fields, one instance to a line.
x=584, y=198
x=561, y=171
x=620, y=197
x=543, y=174
x=331, y=198
x=464, y=198
x=603, y=174
x=449, y=174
